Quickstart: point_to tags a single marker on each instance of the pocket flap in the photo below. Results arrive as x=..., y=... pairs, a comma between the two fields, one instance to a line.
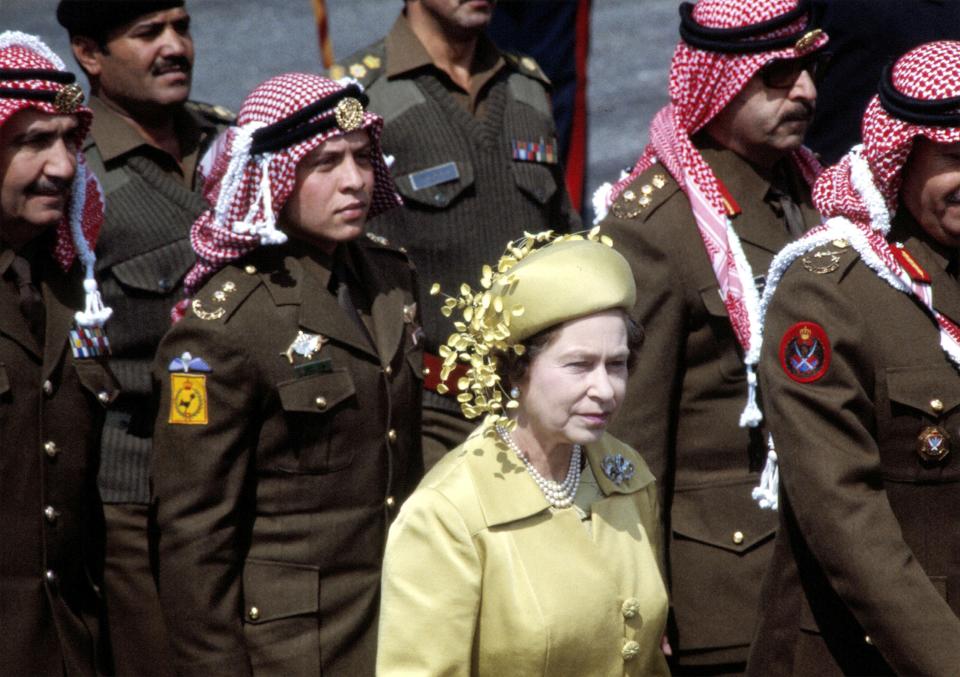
x=535, y=180
x=279, y=590
x=912, y=386
x=713, y=302
x=158, y=271
x=316, y=393
x=98, y=379
x=438, y=195
x=722, y=516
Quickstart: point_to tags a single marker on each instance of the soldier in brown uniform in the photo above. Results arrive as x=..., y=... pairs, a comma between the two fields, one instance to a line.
x=290, y=409
x=144, y=146
x=476, y=159
x=860, y=380
x=723, y=185
x=54, y=385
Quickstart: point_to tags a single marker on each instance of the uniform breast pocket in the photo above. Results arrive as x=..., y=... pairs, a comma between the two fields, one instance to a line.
x=98, y=380
x=923, y=414
x=156, y=272
x=436, y=186
x=727, y=357
x=535, y=181
x=320, y=411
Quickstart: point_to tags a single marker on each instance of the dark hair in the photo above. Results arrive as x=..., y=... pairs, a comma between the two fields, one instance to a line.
x=512, y=367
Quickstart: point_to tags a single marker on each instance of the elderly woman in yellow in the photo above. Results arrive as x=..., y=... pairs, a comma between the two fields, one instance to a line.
x=531, y=548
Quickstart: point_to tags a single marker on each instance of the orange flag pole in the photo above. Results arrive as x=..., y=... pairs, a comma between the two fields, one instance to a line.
x=323, y=32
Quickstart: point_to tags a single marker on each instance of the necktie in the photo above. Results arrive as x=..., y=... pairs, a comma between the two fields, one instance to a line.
x=31, y=301
x=339, y=285
x=784, y=203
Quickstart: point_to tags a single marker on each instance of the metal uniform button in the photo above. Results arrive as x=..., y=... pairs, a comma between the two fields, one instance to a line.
x=51, y=514
x=164, y=284
x=391, y=502
x=630, y=607
x=103, y=396
x=250, y=270
x=254, y=613
x=737, y=537
x=426, y=371
x=47, y=388
x=50, y=576
x=388, y=370
x=936, y=404
x=321, y=403
x=868, y=640
x=50, y=448
x=392, y=435
x=630, y=650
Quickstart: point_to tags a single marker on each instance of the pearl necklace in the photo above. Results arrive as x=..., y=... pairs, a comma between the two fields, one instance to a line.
x=558, y=494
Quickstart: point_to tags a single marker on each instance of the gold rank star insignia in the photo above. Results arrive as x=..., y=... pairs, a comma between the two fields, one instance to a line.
x=371, y=61
x=358, y=70
x=337, y=71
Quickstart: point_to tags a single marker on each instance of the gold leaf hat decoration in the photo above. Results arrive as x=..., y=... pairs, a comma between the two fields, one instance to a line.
x=541, y=280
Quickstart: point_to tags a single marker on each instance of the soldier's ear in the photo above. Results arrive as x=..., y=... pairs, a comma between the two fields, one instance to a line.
x=87, y=53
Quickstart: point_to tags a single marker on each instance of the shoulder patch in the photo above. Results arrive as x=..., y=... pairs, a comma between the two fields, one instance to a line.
x=218, y=114
x=528, y=66
x=827, y=258
x=639, y=195
x=805, y=352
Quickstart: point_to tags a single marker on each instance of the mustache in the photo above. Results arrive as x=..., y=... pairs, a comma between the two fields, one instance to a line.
x=53, y=187
x=172, y=64
x=803, y=113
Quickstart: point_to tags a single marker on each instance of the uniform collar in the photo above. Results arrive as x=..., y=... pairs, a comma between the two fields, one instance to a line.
x=506, y=491
x=405, y=52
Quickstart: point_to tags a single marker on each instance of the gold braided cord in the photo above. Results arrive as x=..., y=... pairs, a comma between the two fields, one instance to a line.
x=483, y=333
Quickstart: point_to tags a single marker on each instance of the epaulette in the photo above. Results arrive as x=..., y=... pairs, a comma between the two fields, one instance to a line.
x=364, y=66
x=829, y=258
x=217, y=114
x=642, y=196
x=224, y=293
x=528, y=66
x=375, y=241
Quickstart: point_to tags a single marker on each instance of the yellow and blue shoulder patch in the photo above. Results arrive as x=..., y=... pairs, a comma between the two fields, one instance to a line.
x=189, y=404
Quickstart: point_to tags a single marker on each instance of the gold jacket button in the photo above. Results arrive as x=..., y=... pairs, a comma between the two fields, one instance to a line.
x=47, y=388
x=426, y=371
x=388, y=370
x=254, y=613
x=936, y=404
x=630, y=650
x=737, y=537
x=391, y=502
x=250, y=270
x=103, y=396
x=51, y=514
x=50, y=576
x=630, y=607
x=867, y=639
x=392, y=435
x=50, y=448
x=321, y=402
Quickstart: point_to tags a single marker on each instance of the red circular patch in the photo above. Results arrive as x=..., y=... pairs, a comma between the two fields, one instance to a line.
x=805, y=352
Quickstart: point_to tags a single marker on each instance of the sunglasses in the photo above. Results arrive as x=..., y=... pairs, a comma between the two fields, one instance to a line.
x=783, y=73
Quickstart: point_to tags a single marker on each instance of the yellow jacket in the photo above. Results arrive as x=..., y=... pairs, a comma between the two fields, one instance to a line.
x=483, y=577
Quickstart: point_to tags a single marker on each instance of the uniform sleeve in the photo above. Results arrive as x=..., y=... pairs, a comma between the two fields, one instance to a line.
x=431, y=591
x=833, y=485
x=647, y=420
x=201, y=474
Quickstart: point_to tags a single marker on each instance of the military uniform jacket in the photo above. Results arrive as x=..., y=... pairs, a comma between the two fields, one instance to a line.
x=142, y=255
x=483, y=577
x=684, y=399
x=865, y=578
x=273, y=511
x=470, y=183
x=51, y=410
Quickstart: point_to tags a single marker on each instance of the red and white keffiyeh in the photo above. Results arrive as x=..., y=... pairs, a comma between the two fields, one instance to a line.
x=248, y=190
x=77, y=233
x=858, y=195
x=702, y=83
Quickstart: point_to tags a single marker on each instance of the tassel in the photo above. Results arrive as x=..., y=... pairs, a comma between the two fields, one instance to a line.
x=766, y=494
x=751, y=415
x=95, y=314
x=600, y=200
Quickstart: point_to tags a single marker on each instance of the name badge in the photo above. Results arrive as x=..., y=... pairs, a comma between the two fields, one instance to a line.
x=434, y=176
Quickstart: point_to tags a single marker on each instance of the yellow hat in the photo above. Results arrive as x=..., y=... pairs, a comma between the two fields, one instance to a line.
x=562, y=281
x=541, y=281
